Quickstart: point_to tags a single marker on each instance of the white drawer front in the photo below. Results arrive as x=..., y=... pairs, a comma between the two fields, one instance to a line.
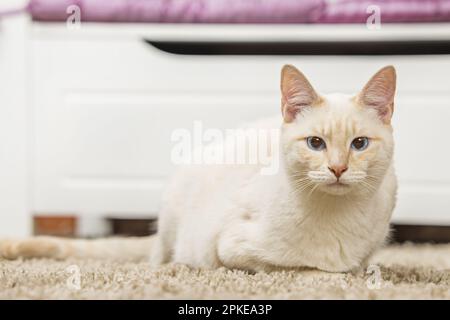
x=104, y=119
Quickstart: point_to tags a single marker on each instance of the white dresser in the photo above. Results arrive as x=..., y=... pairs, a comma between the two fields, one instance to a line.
x=103, y=103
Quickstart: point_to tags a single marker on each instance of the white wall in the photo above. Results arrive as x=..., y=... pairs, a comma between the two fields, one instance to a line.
x=14, y=126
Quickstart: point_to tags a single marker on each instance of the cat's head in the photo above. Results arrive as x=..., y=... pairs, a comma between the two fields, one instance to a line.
x=337, y=143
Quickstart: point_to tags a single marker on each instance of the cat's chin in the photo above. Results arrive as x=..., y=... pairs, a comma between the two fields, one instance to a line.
x=336, y=189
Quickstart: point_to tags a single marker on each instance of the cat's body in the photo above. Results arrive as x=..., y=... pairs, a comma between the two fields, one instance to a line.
x=328, y=205
x=236, y=217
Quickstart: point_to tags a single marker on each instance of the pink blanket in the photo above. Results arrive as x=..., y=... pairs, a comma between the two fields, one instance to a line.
x=242, y=11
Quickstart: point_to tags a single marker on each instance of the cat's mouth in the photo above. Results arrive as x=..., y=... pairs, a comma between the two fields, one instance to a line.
x=338, y=184
x=337, y=188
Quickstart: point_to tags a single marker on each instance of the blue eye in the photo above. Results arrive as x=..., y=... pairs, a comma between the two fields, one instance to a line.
x=316, y=143
x=360, y=143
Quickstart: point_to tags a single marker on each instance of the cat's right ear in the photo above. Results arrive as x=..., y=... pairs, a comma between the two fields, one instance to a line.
x=296, y=92
x=379, y=92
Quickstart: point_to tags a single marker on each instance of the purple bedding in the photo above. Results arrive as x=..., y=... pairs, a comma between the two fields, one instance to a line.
x=242, y=11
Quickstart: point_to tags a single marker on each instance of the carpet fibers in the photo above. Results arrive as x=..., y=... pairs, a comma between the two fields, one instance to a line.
x=396, y=272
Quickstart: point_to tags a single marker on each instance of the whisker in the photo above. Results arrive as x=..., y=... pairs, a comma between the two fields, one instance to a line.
x=368, y=186
x=312, y=190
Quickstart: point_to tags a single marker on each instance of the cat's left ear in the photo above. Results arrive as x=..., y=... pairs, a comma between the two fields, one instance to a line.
x=379, y=93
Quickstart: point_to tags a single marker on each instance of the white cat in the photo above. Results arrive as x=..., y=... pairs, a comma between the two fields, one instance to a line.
x=327, y=207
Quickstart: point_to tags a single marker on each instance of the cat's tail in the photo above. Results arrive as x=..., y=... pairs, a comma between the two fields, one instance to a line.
x=133, y=248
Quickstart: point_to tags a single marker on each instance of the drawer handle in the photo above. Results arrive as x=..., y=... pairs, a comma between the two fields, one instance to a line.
x=303, y=48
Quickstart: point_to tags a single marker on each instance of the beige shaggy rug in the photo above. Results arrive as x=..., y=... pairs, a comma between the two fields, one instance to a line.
x=396, y=272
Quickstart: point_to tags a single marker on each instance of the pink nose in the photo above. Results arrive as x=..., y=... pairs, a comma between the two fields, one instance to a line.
x=338, y=170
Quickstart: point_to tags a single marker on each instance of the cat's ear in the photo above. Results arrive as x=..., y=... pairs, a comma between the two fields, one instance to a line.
x=379, y=93
x=296, y=92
